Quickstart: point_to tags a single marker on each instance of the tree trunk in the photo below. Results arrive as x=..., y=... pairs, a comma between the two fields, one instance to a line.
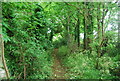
x=78, y=32
x=85, y=32
x=75, y=34
x=99, y=38
x=68, y=31
x=51, y=35
x=2, y=71
x=99, y=32
x=88, y=27
x=85, y=38
x=3, y=58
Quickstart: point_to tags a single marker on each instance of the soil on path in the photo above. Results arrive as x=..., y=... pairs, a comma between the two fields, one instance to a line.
x=58, y=69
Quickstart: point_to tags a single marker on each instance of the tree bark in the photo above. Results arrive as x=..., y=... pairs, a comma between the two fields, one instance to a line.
x=85, y=33
x=75, y=34
x=68, y=31
x=99, y=32
x=51, y=35
x=85, y=30
x=3, y=58
x=78, y=32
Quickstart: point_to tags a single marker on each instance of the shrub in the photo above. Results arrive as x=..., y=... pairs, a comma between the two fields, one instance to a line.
x=63, y=51
x=82, y=66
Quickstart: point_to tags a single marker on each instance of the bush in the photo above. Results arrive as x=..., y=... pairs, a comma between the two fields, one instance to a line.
x=59, y=43
x=63, y=51
x=42, y=67
x=82, y=66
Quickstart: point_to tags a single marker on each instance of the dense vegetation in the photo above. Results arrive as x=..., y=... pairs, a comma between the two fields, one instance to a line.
x=81, y=35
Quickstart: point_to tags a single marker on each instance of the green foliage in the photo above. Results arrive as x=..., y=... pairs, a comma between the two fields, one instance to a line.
x=83, y=67
x=60, y=42
x=41, y=68
x=32, y=30
x=26, y=41
x=63, y=51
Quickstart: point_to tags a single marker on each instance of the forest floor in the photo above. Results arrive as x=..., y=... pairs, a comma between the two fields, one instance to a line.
x=59, y=70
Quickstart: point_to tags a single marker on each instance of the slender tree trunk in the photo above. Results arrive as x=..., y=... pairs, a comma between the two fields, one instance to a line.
x=68, y=31
x=99, y=52
x=99, y=39
x=75, y=33
x=51, y=35
x=78, y=32
x=99, y=32
x=102, y=22
x=3, y=58
x=90, y=28
x=85, y=30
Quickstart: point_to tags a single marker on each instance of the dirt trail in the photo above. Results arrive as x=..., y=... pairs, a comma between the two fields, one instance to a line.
x=58, y=69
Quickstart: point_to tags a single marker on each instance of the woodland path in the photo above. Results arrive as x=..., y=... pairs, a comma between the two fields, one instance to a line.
x=58, y=70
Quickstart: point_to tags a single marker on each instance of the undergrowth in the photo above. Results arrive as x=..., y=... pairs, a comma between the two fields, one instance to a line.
x=83, y=66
